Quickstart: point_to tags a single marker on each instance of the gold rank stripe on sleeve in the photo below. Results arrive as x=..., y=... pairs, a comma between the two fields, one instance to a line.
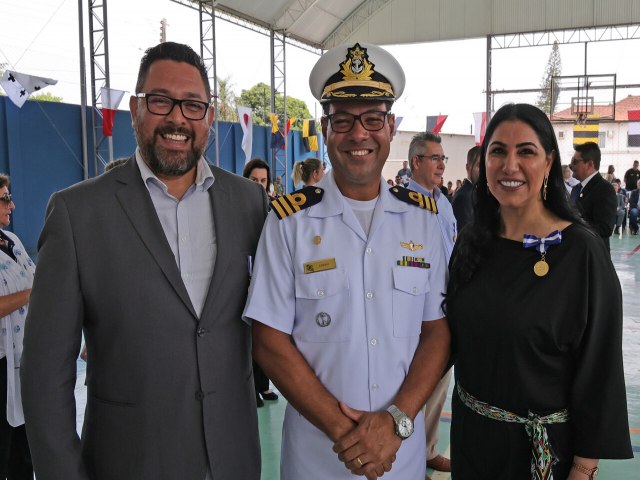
x=415, y=198
x=296, y=201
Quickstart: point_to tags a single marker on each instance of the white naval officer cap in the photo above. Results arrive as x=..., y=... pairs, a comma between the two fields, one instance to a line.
x=361, y=72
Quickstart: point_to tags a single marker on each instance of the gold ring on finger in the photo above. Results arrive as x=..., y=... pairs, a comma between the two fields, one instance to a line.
x=359, y=461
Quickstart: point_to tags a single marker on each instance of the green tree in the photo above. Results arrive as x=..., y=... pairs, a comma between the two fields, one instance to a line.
x=45, y=97
x=258, y=98
x=226, y=101
x=553, y=69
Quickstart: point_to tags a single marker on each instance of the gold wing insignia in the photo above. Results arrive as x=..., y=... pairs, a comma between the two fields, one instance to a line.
x=411, y=246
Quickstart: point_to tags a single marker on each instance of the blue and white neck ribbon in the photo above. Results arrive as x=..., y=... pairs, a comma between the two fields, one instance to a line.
x=541, y=244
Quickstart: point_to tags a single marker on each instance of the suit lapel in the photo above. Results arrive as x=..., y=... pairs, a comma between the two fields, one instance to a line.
x=223, y=212
x=137, y=205
x=591, y=185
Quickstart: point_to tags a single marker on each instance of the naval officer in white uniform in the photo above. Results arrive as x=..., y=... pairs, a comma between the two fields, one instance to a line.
x=346, y=293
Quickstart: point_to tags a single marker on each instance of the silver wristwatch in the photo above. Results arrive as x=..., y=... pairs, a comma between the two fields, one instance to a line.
x=403, y=424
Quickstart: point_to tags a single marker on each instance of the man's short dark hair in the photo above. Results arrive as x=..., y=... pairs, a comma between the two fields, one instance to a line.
x=177, y=52
x=417, y=144
x=590, y=151
x=473, y=155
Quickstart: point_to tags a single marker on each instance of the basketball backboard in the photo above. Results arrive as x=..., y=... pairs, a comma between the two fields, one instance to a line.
x=576, y=97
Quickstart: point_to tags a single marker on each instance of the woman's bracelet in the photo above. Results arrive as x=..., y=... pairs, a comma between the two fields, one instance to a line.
x=592, y=473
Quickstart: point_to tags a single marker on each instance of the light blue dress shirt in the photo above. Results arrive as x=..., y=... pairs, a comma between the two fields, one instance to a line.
x=446, y=218
x=188, y=226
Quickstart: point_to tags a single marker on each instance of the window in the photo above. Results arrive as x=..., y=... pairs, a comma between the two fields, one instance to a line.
x=602, y=139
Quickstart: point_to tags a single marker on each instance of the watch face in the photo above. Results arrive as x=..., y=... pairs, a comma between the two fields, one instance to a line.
x=405, y=427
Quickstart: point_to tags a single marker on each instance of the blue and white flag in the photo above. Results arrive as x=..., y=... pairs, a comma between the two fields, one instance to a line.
x=19, y=86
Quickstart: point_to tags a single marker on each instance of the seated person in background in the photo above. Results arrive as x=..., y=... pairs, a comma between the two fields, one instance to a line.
x=634, y=209
x=621, y=207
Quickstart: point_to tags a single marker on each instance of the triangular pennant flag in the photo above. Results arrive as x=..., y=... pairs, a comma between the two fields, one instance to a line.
x=246, y=122
x=480, y=120
x=19, y=86
x=435, y=123
x=290, y=123
x=398, y=122
x=111, y=98
x=274, y=122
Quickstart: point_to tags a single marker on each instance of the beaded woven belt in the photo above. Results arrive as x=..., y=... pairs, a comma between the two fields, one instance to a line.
x=542, y=457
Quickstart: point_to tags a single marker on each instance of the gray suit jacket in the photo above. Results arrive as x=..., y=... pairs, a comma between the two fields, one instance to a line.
x=168, y=394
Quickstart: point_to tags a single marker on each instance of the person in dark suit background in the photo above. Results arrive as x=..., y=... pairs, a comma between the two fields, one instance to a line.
x=634, y=209
x=152, y=261
x=463, y=200
x=594, y=196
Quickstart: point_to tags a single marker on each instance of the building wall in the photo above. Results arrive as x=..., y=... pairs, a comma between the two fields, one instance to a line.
x=455, y=147
x=614, y=150
x=41, y=149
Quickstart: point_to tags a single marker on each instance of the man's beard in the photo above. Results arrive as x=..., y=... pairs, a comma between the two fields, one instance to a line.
x=167, y=163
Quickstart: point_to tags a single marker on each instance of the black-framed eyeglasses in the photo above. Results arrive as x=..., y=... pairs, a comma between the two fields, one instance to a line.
x=435, y=158
x=343, y=122
x=163, y=105
x=6, y=198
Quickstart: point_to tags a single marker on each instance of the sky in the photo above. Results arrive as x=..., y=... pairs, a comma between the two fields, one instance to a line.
x=40, y=37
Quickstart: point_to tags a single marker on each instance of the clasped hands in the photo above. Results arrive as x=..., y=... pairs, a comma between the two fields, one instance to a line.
x=370, y=447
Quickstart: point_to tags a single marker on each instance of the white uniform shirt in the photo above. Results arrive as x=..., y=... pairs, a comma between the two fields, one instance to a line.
x=446, y=218
x=358, y=324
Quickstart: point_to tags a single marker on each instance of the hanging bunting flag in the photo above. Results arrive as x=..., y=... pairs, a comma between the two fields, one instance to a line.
x=290, y=123
x=245, y=116
x=633, y=128
x=19, y=86
x=398, y=122
x=435, y=123
x=480, y=120
x=277, y=139
x=111, y=98
x=309, y=135
x=274, y=122
x=588, y=131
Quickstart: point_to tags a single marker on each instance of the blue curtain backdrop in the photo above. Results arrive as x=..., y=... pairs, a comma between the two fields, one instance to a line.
x=41, y=149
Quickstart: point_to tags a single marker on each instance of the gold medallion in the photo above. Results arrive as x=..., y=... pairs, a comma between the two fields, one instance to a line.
x=317, y=239
x=541, y=268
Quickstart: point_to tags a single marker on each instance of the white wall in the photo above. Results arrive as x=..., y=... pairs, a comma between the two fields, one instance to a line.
x=455, y=147
x=614, y=152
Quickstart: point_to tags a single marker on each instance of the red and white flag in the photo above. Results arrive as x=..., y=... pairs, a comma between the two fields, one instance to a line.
x=245, y=116
x=111, y=98
x=435, y=123
x=480, y=120
x=19, y=86
x=633, y=139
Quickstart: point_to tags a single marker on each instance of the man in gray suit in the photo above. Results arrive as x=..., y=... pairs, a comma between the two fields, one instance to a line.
x=151, y=260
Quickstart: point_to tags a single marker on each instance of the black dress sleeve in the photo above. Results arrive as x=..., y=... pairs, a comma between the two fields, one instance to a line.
x=598, y=397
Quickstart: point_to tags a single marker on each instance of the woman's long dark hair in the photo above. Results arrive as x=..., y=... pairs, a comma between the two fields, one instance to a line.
x=476, y=237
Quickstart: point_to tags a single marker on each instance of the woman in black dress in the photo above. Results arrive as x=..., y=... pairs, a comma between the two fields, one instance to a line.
x=535, y=309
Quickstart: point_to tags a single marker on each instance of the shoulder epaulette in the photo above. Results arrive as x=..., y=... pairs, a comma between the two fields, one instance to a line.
x=296, y=201
x=414, y=198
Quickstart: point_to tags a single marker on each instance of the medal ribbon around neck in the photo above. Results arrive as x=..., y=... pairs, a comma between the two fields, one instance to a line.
x=541, y=268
